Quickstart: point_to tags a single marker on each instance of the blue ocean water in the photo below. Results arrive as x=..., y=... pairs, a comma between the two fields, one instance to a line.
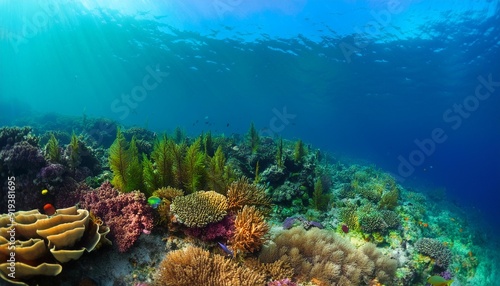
x=412, y=87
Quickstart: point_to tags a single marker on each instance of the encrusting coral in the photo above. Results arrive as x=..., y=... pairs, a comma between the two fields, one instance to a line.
x=199, y=209
x=326, y=257
x=42, y=243
x=195, y=266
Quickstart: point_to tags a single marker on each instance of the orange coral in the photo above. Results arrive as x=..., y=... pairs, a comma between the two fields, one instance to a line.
x=195, y=266
x=250, y=230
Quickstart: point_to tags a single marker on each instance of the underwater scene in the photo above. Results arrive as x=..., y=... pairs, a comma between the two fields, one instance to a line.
x=250, y=142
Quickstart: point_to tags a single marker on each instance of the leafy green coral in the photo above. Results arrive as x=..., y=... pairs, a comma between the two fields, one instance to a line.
x=279, y=154
x=162, y=157
x=194, y=167
x=134, y=170
x=52, y=149
x=320, y=199
x=254, y=139
x=299, y=152
x=119, y=160
x=219, y=176
x=74, y=151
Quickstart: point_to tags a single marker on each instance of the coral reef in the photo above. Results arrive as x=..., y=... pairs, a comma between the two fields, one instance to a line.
x=195, y=266
x=127, y=215
x=200, y=208
x=329, y=258
x=42, y=243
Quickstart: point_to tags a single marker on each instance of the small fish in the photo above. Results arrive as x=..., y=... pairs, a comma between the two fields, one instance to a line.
x=226, y=250
x=154, y=201
x=45, y=191
x=438, y=281
x=49, y=209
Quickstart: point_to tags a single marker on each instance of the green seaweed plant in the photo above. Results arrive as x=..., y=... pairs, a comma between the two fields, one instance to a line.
x=162, y=157
x=256, y=180
x=279, y=154
x=74, y=151
x=119, y=160
x=150, y=179
x=218, y=177
x=300, y=152
x=319, y=199
x=52, y=149
x=253, y=136
x=208, y=144
x=194, y=166
x=179, y=135
x=134, y=170
x=178, y=169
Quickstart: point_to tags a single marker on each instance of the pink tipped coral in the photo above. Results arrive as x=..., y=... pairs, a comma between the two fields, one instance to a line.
x=127, y=215
x=282, y=282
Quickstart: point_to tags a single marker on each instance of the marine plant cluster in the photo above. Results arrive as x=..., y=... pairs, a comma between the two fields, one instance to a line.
x=245, y=210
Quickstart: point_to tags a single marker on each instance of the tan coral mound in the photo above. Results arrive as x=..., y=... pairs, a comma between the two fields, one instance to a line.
x=195, y=266
x=250, y=229
x=323, y=256
x=41, y=241
x=199, y=209
x=242, y=192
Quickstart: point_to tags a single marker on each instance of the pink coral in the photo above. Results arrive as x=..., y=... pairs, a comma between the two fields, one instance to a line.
x=223, y=229
x=127, y=214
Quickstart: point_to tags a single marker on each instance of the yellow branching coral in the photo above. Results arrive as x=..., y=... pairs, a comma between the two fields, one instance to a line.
x=250, y=230
x=195, y=266
x=242, y=192
x=200, y=208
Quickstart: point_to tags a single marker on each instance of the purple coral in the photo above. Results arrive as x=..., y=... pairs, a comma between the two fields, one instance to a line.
x=127, y=214
x=289, y=222
x=22, y=158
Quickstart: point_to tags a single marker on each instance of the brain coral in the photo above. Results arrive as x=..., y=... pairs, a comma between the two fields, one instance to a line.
x=435, y=249
x=42, y=242
x=200, y=208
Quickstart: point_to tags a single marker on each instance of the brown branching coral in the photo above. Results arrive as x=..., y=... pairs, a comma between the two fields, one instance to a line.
x=168, y=193
x=195, y=266
x=250, y=230
x=242, y=192
x=321, y=255
x=199, y=209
